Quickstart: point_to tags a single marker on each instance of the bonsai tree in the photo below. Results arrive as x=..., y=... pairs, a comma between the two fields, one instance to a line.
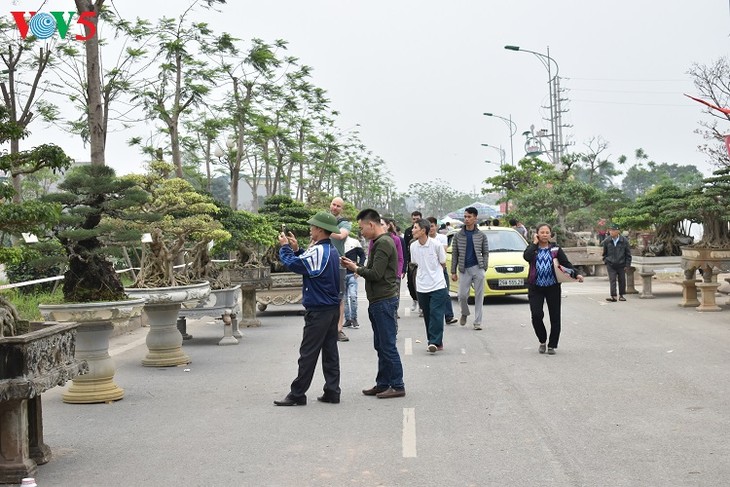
x=662, y=209
x=97, y=206
x=181, y=235
x=283, y=210
x=710, y=205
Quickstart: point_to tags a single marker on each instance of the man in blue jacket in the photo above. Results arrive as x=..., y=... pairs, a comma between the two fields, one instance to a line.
x=319, y=265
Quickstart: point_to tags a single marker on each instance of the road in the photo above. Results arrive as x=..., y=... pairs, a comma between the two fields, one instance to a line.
x=637, y=395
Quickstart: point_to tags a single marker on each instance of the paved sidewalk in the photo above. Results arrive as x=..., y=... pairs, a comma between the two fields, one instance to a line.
x=637, y=395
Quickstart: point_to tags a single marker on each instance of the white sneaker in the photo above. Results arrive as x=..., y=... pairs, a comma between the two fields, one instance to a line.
x=414, y=306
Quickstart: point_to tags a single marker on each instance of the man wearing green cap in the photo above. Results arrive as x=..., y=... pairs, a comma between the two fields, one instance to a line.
x=319, y=266
x=617, y=257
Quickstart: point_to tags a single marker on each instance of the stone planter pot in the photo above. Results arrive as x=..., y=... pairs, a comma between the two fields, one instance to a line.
x=162, y=305
x=286, y=288
x=711, y=262
x=96, y=324
x=29, y=365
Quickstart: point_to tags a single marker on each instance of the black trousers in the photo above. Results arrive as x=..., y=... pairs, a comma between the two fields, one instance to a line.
x=537, y=297
x=411, y=281
x=320, y=334
x=617, y=273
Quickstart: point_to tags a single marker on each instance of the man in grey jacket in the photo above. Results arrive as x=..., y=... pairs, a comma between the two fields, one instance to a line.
x=470, y=255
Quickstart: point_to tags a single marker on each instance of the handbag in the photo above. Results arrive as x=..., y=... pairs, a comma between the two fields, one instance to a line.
x=561, y=274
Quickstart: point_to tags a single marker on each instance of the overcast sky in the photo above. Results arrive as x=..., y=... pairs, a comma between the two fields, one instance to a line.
x=418, y=74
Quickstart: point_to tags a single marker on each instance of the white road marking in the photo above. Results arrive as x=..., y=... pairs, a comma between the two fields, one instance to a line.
x=409, y=346
x=409, y=433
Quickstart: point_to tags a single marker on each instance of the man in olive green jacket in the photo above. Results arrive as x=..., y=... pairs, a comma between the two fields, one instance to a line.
x=381, y=287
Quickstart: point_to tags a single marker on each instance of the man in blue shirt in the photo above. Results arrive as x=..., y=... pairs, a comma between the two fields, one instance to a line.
x=319, y=265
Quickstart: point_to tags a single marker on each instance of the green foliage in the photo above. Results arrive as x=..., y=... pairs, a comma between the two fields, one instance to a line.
x=29, y=263
x=186, y=226
x=97, y=208
x=26, y=303
x=639, y=178
x=437, y=197
x=710, y=205
x=283, y=210
x=252, y=234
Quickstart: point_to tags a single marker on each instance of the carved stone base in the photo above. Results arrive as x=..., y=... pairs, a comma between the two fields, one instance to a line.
x=708, y=296
x=689, y=293
x=164, y=341
x=92, y=345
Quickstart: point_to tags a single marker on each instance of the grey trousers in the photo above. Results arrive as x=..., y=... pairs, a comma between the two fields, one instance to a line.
x=472, y=277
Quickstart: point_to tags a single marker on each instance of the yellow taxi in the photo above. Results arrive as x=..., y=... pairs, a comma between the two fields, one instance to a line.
x=507, y=270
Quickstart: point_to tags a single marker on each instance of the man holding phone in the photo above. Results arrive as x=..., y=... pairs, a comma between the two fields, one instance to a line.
x=320, y=268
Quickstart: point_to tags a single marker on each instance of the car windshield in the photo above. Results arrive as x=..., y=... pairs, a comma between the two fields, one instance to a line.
x=505, y=241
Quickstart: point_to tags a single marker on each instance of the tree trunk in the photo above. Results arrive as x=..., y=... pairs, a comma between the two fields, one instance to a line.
x=97, y=132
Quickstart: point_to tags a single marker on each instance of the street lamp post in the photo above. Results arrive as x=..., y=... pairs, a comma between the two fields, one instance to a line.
x=502, y=154
x=555, y=111
x=512, y=131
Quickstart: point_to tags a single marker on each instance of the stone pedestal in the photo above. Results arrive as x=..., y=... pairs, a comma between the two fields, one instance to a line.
x=646, y=278
x=689, y=293
x=228, y=338
x=164, y=341
x=29, y=365
x=630, y=283
x=15, y=461
x=248, y=307
x=92, y=345
x=162, y=305
x=707, y=303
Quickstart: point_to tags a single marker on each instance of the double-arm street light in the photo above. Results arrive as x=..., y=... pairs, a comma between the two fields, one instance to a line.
x=555, y=111
x=512, y=131
x=502, y=155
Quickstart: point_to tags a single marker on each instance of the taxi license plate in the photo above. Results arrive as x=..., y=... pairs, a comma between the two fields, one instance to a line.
x=511, y=282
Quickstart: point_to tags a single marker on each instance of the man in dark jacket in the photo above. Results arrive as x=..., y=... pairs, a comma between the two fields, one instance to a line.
x=617, y=257
x=320, y=266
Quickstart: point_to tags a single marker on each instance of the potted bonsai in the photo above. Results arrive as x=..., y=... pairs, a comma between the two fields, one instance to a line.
x=285, y=287
x=710, y=205
x=661, y=212
x=186, y=224
x=253, y=235
x=96, y=204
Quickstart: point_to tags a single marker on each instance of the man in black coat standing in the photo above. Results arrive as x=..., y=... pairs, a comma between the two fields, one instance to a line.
x=617, y=257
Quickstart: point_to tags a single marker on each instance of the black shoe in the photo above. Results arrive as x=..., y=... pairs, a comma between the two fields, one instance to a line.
x=551, y=351
x=541, y=348
x=292, y=401
x=348, y=324
x=332, y=399
x=621, y=298
x=611, y=299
